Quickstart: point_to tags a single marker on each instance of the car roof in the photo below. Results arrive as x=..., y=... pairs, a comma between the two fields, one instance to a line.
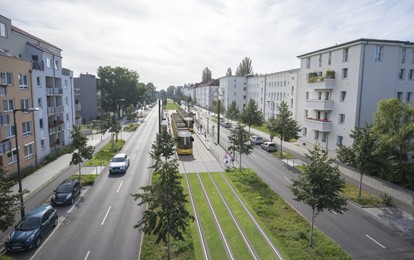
x=68, y=182
x=120, y=155
x=39, y=211
x=268, y=143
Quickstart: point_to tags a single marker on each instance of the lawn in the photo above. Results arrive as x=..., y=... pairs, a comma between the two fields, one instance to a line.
x=171, y=105
x=105, y=154
x=86, y=179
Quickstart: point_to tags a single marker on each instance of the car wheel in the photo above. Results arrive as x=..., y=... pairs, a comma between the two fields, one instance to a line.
x=56, y=222
x=71, y=201
x=39, y=241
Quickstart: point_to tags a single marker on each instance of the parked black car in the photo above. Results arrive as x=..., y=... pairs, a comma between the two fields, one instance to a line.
x=32, y=229
x=66, y=192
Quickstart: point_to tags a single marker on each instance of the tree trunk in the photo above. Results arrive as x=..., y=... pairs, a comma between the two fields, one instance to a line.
x=281, y=153
x=360, y=185
x=80, y=172
x=240, y=162
x=168, y=245
x=311, y=231
x=112, y=139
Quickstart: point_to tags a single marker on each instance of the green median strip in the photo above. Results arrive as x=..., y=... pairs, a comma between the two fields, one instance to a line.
x=259, y=243
x=235, y=240
x=209, y=227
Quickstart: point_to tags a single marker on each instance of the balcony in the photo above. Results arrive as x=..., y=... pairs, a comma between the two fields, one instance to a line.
x=322, y=83
x=38, y=65
x=319, y=104
x=55, y=129
x=54, y=91
x=322, y=125
x=65, y=72
x=55, y=110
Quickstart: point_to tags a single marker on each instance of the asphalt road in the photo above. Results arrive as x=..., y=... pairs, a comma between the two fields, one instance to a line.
x=101, y=224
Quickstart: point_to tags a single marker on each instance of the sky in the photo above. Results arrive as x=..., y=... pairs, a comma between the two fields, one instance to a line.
x=170, y=42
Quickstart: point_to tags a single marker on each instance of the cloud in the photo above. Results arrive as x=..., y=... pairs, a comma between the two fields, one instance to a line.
x=171, y=42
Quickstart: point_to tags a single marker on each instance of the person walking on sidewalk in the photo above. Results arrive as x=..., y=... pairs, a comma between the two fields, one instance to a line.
x=226, y=159
x=232, y=154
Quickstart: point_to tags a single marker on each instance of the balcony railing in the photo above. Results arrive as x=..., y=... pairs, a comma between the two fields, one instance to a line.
x=38, y=66
x=322, y=83
x=319, y=104
x=54, y=91
x=55, y=129
x=55, y=110
x=66, y=72
x=322, y=125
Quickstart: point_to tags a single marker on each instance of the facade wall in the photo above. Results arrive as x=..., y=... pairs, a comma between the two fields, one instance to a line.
x=16, y=94
x=233, y=88
x=87, y=85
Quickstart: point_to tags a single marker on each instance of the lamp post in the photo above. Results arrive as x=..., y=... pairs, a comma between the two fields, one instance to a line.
x=117, y=107
x=18, y=157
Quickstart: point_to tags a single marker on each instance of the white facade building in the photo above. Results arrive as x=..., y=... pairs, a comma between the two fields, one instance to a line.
x=233, y=88
x=365, y=71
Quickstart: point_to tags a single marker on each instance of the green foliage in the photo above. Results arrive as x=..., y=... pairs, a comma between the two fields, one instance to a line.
x=80, y=144
x=283, y=125
x=105, y=154
x=206, y=75
x=131, y=127
x=240, y=142
x=330, y=74
x=245, y=67
x=119, y=83
x=130, y=113
x=214, y=107
x=171, y=105
x=9, y=202
x=251, y=115
x=232, y=111
x=228, y=73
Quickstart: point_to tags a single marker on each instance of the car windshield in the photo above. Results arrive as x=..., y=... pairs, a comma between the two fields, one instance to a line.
x=29, y=223
x=271, y=144
x=118, y=159
x=66, y=188
x=259, y=139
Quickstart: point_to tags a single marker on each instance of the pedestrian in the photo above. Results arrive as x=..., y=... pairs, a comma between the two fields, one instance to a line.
x=232, y=159
x=226, y=159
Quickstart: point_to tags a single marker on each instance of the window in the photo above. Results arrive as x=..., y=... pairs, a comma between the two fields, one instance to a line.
x=399, y=95
x=326, y=95
x=403, y=52
x=316, y=135
x=401, y=74
x=345, y=73
x=2, y=29
x=408, y=97
x=323, y=137
x=42, y=144
x=412, y=55
x=66, y=100
x=27, y=129
x=6, y=78
x=345, y=55
x=304, y=131
x=22, y=81
x=329, y=58
x=10, y=131
x=24, y=103
x=379, y=52
x=8, y=105
x=67, y=117
x=28, y=150
x=41, y=123
x=411, y=75
x=308, y=62
x=341, y=118
x=307, y=95
x=39, y=102
x=56, y=64
x=320, y=60
x=343, y=96
x=38, y=81
x=12, y=156
x=339, y=140
x=48, y=63
x=306, y=113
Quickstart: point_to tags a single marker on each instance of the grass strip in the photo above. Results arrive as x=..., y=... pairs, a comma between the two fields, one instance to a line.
x=260, y=245
x=235, y=240
x=105, y=154
x=86, y=179
x=209, y=227
x=290, y=230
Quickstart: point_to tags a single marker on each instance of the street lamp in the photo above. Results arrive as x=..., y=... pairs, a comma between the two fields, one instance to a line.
x=117, y=107
x=18, y=157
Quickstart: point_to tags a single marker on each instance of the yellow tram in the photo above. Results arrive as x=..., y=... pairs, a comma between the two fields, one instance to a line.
x=188, y=118
x=183, y=137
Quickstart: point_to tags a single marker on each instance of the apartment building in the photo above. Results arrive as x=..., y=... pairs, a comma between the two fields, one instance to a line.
x=205, y=93
x=340, y=86
x=53, y=90
x=86, y=93
x=233, y=88
x=16, y=94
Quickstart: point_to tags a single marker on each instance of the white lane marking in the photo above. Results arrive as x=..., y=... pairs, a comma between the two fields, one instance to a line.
x=288, y=180
x=87, y=255
x=138, y=147
x=334, y=212
x=375, y=241
x=133, y=157
x=119, y=186
x=107, y=212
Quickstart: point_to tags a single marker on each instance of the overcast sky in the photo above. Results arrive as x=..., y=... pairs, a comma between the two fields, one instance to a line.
x=170, y=42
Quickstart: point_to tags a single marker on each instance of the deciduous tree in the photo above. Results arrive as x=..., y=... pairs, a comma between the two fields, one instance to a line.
x=9, y=202
x=232, y=111
x=206, y=75
x=82, y=151
x=251, y=115
x=240, y=142
x=245, y=67
x=229, y=73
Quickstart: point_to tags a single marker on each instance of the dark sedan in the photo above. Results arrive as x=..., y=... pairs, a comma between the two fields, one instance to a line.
x=32, y=229
x=66, y=193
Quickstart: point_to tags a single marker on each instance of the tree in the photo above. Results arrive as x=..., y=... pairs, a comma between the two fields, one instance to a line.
x=130, y=113
x=283, y=125
x=119, y=83
x=232, y=111
x=81, y=148
x=206, y=75
x=245, y=67
x=171, y=92
x=9, y=202
x=361, y=155
x=319, y=186
x=150, y=93
x=229, y=73
x=214, y=107
x=251, y=115
x=393, y=125
x=166, y=213
x=110, y=123
x=239, y=140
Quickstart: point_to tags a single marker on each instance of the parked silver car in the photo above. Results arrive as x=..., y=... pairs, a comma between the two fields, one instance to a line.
x=269, y=146
x=256, y=139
